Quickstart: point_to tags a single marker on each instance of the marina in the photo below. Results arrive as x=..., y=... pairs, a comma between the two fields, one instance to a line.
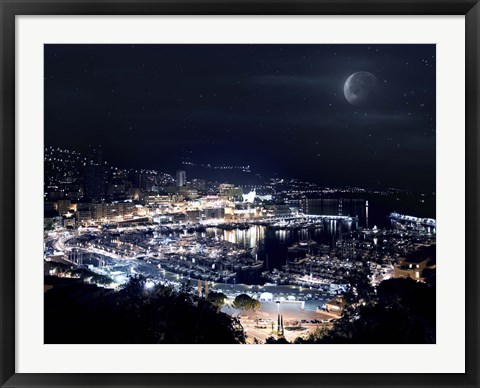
x=311, y=263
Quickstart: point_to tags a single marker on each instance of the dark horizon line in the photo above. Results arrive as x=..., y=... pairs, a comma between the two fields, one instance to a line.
x=264, y=179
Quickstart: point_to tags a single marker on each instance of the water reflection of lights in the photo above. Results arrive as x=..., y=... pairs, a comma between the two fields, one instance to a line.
x=253, y=237
x=249, y=238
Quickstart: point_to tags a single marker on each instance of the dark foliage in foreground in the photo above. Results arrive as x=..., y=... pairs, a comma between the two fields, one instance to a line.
x=273, y=340
x=402, y=312
x=217, y=298
x=88, y=314
x=245, y=302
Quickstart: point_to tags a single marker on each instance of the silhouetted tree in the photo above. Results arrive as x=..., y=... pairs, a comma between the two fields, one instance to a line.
x=88, y=314
x=244, y=302
x=403, y=311
x=359, y=285
x=217, y=298
x=272, y=340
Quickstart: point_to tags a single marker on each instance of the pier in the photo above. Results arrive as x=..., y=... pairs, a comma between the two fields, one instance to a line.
x=413, y=220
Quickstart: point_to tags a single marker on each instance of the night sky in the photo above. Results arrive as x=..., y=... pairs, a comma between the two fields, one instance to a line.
x=279, y=108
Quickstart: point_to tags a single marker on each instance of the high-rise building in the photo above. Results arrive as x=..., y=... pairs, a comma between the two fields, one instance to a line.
x=181, y=178
x=95, y=177
x=95, y=182
x=63, y=206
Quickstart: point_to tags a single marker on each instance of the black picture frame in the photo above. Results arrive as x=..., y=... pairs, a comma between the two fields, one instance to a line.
x=11, y=8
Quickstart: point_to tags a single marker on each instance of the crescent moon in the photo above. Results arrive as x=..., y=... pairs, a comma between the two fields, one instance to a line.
x=360, y=87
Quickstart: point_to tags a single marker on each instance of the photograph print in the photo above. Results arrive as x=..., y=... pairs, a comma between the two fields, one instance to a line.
x=239, y=194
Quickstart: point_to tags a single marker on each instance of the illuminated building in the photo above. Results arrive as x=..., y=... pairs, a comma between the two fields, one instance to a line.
x=63, y=206
x=242, y=211
x=250, y=197
x=411, y=268
x=266, y=297
x=414, y=264
x=198, y=184
x=192, y=216
x=83, y=215
x=134, y=193
x=229, y=190
x=181, y=178
x=68, y=222
x=213, y=213
x=112, y=210
x=278, y=210
x=189, y=193
x=154, y=199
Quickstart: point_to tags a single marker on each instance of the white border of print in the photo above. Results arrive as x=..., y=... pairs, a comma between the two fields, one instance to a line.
x=448, y=355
